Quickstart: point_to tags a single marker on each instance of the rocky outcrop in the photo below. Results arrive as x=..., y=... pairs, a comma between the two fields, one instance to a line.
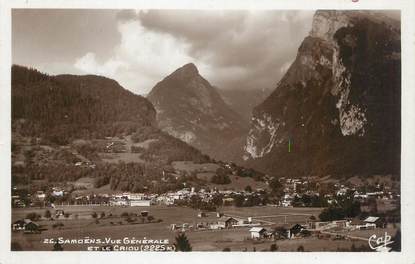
x=338, y=104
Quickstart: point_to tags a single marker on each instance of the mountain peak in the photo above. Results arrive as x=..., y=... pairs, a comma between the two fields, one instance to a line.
x=191, y=109
x=187, y=70
x=327, y=22
x=189, y=67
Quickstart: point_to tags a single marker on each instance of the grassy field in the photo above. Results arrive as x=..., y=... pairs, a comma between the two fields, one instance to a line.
x=190, y=166
x=239, y=183
x=128, y=156
x=105, y=189
x=206, y=171
x=124, y=157
x=116, y=227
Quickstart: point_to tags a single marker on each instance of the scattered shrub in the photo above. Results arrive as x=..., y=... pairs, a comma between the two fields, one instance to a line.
x=58, y=224
x=125, y=214
x=47, y=214
x=33, y=216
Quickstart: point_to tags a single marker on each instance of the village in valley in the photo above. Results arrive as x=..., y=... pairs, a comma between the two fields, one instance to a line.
x=286, y=214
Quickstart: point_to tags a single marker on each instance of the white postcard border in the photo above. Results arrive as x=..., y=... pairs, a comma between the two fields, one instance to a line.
x=408, y=142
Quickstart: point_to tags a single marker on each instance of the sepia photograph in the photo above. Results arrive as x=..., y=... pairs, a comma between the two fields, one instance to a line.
x=205, y=130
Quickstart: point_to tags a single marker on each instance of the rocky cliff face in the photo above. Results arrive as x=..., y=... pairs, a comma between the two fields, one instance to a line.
x=338, y=106
x=189, y=108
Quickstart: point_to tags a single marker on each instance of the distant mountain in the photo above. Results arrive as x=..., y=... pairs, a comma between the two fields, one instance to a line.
x=244, y=101
x=337, y=109
x=189, y=108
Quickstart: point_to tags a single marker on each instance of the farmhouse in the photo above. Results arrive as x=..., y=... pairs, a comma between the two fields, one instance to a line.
x=295, y=230
x=19, y=225
x=26, y=225
x=144, y=213
x=370, y=222
x=375, y=221
x=257, y=232
x=59, y=213
x=227, y=222
x=201, y=214
x=280, y=232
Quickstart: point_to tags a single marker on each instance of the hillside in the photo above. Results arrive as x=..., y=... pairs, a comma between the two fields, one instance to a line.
x=337, y=109
x=67, y=127
x=64, y=107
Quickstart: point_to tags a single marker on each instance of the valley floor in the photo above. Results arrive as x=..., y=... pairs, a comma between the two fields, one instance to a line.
x=113, y=226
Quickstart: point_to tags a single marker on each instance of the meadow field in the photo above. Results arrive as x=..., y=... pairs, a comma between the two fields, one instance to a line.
x=115, y=226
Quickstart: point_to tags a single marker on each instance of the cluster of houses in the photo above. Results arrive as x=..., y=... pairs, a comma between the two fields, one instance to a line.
x=294, y=231
x=293, y=188
x=19, y=200
x=129, y=199
x=141, y=199
x=222, y=222
x=299, y=230
x=256, y=230
x=170, y=198
x=370, y=222
x=285, y=231
x=296, y=187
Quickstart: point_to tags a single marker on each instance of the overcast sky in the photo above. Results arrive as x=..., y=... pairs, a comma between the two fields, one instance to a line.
x=138, y=48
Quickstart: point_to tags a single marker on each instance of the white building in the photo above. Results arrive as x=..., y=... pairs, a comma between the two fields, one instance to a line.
x=118, y=202
x=57, y=193
x=140, y=202
x=40, y=195
x=257, y=232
